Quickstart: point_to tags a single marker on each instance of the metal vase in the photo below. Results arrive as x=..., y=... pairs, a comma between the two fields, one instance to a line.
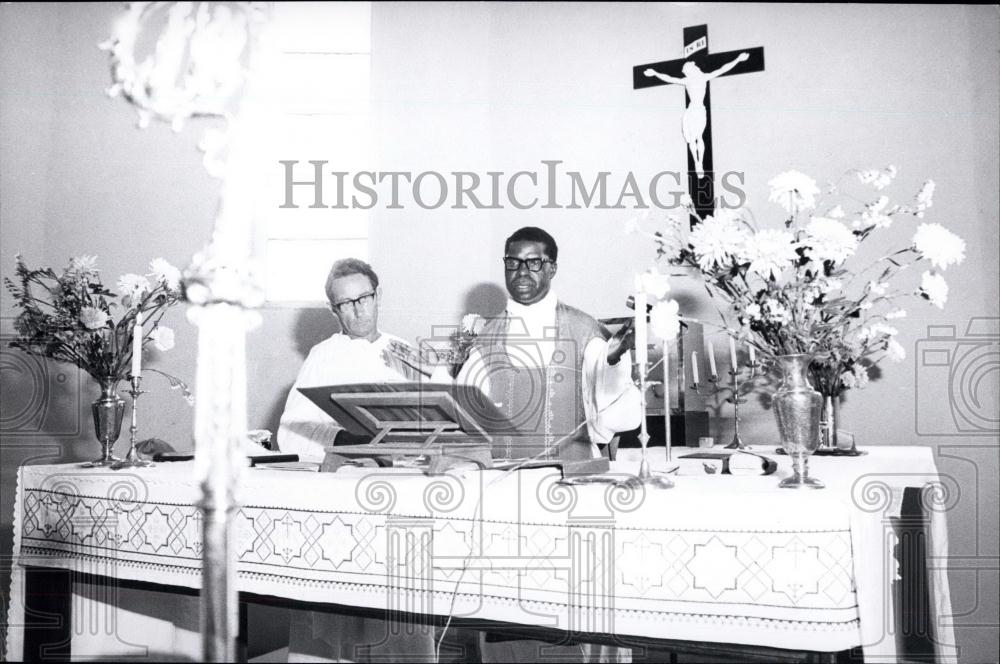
x=108, y=412
x=833, y=443
x=797, y=407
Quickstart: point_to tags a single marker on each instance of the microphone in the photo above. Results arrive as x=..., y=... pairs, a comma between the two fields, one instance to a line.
x=626, y=321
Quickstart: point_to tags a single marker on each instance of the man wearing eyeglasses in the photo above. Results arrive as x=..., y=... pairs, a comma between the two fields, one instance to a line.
x=561, y=379
x=359, y=353
x=563, y=382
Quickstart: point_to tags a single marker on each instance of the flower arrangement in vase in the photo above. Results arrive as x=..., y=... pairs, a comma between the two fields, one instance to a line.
x=72, y=317
x=801, y=286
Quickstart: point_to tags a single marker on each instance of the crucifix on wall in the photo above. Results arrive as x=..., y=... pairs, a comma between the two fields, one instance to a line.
x=694, y=71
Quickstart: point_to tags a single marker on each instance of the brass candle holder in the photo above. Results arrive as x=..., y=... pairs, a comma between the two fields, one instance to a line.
x=132, y=459
x=736, y=379
x=646, y=476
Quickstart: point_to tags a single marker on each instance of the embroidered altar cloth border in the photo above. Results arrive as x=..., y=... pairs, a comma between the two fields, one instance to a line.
x=717, y=558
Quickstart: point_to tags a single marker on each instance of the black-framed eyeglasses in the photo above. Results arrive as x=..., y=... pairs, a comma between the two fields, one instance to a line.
x=360, y=301
x=512, y=264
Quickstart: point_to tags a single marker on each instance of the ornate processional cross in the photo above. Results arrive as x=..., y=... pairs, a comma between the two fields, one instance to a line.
x=694, y=72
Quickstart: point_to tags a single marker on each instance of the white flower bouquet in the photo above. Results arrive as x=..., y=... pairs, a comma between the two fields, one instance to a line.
x=793, y=289
x=72, y=317
x=462, y=340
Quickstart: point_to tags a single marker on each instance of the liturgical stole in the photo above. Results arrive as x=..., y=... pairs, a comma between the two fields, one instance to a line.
x=543, y=404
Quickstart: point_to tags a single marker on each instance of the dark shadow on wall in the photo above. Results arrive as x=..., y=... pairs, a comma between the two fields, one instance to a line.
x=485, y=299
x=312, y=326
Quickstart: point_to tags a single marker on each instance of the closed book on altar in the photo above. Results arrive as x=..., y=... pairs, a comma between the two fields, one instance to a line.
x=742, y=463
x=726, y=462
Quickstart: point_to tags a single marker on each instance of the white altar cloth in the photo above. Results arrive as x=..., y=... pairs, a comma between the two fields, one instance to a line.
x=716, y=559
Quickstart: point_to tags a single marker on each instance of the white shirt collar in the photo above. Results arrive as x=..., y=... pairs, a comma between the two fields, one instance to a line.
x=547, y=305
x=379, y=342
x=533, y=319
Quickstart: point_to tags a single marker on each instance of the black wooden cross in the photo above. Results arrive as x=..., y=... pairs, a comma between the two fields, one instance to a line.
x=701, y=185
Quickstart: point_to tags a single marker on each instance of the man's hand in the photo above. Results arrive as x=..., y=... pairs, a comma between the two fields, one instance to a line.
x=622, y=342
x=345, y=437
x=649, y=72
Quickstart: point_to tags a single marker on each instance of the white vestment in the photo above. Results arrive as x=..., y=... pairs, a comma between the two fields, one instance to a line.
x=306, y=430
x=340, y=360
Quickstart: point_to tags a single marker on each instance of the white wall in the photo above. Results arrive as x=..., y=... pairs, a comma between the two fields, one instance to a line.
x=500, y=87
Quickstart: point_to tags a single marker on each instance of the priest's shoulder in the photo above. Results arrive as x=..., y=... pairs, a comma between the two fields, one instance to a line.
x=582, y=323
x=341, y=340
x=329, y=343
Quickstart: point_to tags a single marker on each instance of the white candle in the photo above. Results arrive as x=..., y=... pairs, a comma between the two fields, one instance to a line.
x=753, y=354
x=732, y=354
x=137, y=345
x=641, y=335
x=694, y=367
x=711, y=361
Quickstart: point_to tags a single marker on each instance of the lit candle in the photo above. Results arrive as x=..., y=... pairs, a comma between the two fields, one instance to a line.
x=753, y=354
x=641, y=334
x=694, y=367
x=137, y=345
x=711, y=361
x=732, y=354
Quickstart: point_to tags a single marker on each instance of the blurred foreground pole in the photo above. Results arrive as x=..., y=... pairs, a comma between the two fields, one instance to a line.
x=209, y=60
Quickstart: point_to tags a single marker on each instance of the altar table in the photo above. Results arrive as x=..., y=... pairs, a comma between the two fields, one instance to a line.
x=718, y=558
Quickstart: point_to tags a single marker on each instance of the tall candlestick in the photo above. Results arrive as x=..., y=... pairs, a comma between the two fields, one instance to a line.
x=694, y=367
x=132, y=459
x=732, y=354
x=137, y=345
x=666, y=398
x=641, y=335
x=645, y=476
x=711, y=361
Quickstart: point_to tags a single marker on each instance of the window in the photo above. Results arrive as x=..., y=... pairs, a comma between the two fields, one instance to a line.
x=322, y=94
